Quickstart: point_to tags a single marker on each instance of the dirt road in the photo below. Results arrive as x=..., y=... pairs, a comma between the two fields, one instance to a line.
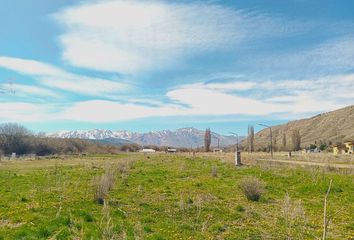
x=304, y=163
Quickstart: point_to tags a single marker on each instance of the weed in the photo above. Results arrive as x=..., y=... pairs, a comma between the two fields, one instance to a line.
x=104, y=184
x=106, y=226
x=252, y=187
x=294, y=217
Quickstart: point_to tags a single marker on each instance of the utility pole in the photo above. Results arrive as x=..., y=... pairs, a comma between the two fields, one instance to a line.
x=271, y=139
x=214, y=135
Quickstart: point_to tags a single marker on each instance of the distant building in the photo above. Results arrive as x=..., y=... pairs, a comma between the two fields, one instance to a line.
x=346, y=148
x=147, y=150
x=171, y=150
x=215, y=150
x=314, y=150
x=350, y=147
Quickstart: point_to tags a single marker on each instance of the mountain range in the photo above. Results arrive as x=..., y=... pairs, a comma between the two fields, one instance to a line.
x=331, y=127
x=183, y=137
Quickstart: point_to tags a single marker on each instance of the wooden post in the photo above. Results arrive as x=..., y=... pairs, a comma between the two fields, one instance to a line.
x=325, y=221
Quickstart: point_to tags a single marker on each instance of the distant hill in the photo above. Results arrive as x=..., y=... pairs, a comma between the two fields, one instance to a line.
x=183, y=137
x=331, y=127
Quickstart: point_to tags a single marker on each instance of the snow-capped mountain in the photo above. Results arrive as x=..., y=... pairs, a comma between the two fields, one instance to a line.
x=183, y=137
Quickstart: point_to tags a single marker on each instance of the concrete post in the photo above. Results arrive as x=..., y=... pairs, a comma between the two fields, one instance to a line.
x=238, y=158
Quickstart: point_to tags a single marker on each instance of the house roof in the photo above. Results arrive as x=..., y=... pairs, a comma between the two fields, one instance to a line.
x=339, y=146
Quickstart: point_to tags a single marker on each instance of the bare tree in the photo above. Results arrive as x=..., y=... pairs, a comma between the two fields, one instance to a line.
x=275, y=148
x=284, y=141
x=250, y=138
x=207, y=139
x=14, y=138
x=296, y=139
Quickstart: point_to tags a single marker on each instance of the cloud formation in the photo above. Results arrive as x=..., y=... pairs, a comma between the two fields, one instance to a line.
x=133, y=36
x=54, y=77
x=291, y=97
x=328, y=57
x=151, y=41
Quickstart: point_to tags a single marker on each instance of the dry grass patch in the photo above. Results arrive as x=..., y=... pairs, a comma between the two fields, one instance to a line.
x=252, y=187
x=104, y=184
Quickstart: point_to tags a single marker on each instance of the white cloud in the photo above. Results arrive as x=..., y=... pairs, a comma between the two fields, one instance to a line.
x=54, y=77
x=129, y=36
x=29, y=67
x=222, y=86
x=199, y=101
x=290, y=97
x=108, y=111
x=211, y=102
x=336, y=89
x=23, y=112
x=26, y=90
x=267, y=97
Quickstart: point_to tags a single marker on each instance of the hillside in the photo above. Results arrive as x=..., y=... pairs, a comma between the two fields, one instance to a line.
x=183, y=137
x=331, y=127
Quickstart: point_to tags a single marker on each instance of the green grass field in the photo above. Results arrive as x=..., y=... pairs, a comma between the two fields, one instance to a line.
x=168, y=197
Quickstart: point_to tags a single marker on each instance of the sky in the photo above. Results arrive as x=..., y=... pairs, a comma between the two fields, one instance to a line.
x=144, y=65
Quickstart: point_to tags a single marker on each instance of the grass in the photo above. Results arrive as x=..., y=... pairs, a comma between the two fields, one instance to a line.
x=168, y=197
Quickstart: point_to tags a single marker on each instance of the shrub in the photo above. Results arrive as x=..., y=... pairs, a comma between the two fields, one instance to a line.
x=294, y=218
x=252, y=187
x=123, y=168
x=104, y=184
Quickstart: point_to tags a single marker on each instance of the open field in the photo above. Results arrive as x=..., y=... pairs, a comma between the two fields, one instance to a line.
x=162, y=196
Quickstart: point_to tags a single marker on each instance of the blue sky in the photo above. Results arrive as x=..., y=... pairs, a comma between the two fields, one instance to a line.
x=152, y=65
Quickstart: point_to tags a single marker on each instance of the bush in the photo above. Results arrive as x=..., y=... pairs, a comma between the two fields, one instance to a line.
x=104, y=184
x=252, y=187
x=323, y=146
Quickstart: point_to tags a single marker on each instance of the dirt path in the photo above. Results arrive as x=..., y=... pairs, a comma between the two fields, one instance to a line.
x=304, y=163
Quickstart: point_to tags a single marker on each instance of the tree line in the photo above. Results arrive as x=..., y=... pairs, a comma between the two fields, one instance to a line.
x=249, y=144
x=15, y=138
